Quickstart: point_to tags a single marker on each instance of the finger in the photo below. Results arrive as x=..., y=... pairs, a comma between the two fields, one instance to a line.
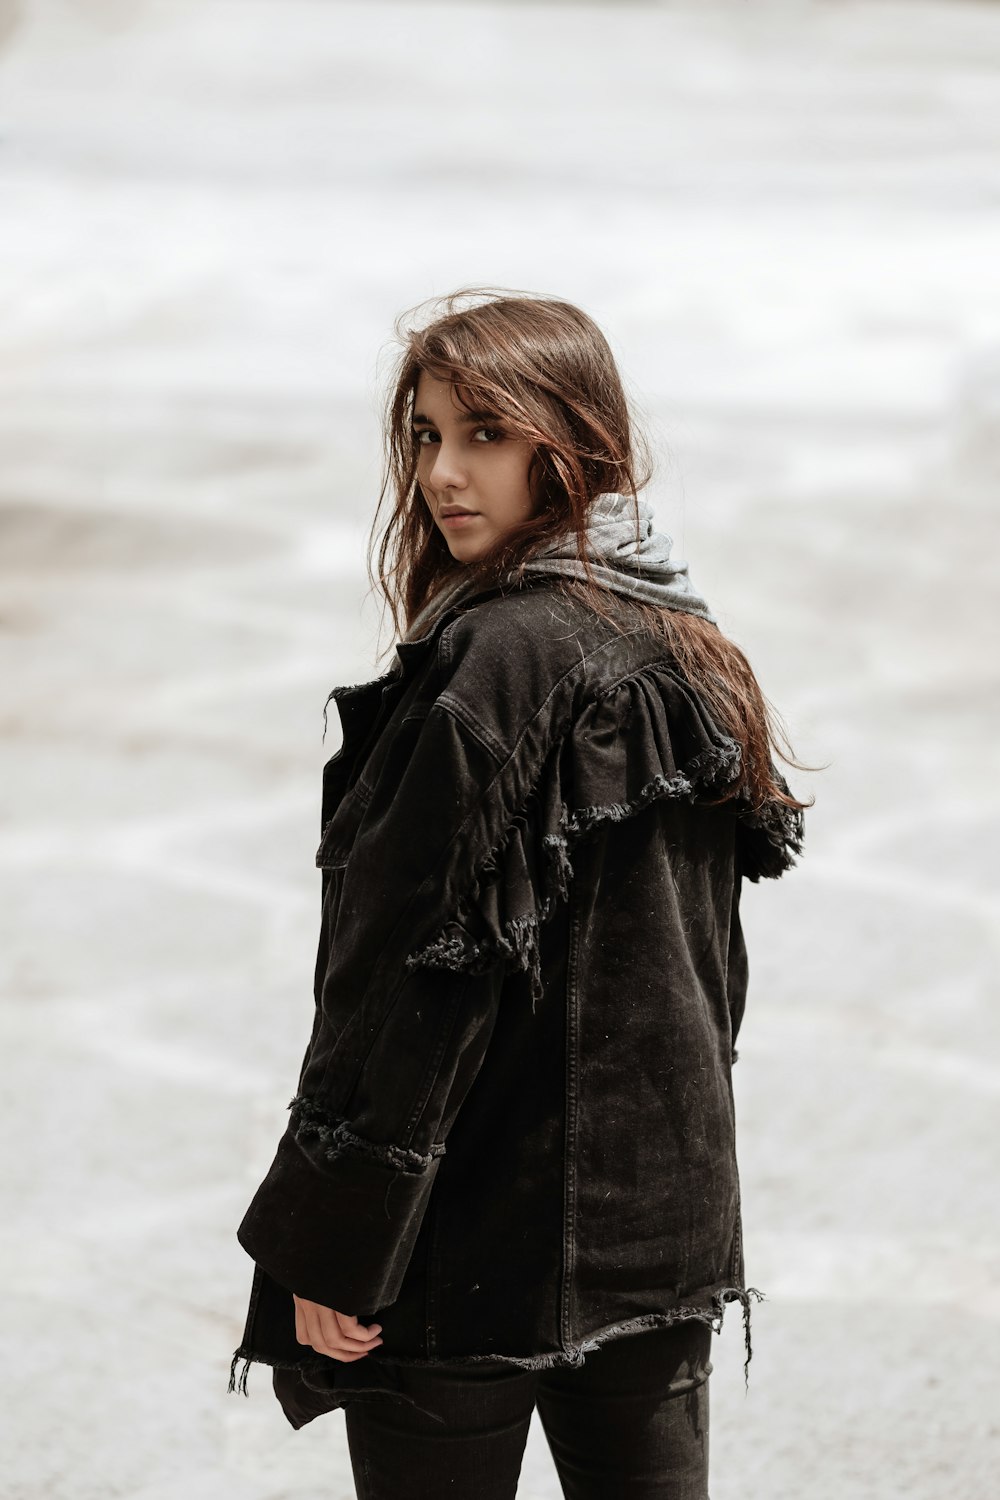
x=314, y=1330
x=343, y=1331
x=300, y=1321
x=321, y=1330
x=346, y=1356
x=336, y=1348
x=352, y=1329
x=330, y=1329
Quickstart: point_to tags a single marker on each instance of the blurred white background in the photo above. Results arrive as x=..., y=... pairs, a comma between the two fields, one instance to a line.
x=786, y=218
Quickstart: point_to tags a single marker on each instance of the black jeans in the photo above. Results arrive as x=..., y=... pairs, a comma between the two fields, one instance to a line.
x=630, y=1423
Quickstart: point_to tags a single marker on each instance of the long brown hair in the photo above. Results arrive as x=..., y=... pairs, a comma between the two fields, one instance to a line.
x=545, y=368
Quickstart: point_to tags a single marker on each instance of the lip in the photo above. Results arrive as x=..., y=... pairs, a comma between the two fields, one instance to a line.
x=458, y=517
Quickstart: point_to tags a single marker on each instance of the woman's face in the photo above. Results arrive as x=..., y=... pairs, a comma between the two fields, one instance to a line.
x=468, y=463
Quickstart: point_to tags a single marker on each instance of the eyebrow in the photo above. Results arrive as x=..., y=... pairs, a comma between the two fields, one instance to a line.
x=473, y=416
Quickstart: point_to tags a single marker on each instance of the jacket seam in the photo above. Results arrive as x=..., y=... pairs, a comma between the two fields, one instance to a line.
x=566, y=1309
x=433, y=1262
x=432, y=1069
x=459, y=711
x=448, y=702
x=335, y=1133
x=423, y=1091
x=347, y=1036
x=432, y=1220
x=609, y=687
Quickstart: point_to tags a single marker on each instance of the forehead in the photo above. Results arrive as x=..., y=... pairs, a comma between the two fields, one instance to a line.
x=439, y=396
x=434, y=392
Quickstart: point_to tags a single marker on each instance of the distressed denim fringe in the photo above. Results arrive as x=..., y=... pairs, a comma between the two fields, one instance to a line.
x=573, y=1358
x=518, y=940
x=312, y=1118
x=249, y=1358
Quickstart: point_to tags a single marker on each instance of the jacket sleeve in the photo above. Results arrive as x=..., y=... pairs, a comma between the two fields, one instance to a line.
x=395, y=1046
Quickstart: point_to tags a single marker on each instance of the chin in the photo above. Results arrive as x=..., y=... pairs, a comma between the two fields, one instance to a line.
x=465, y=554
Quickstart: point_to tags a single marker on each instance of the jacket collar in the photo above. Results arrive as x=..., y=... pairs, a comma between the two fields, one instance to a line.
x=410, y=653
x=355, y=700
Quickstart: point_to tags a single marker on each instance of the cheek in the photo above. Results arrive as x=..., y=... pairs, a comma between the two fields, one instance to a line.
x=425, y=463
x=512, y=474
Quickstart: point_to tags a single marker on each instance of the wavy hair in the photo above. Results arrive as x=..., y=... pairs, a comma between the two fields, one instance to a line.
x=544, y=367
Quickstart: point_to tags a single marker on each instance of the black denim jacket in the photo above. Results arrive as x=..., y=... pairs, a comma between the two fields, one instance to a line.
x=513, y=1132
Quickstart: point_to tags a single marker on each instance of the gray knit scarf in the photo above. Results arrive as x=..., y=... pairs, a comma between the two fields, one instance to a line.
x=643, y=569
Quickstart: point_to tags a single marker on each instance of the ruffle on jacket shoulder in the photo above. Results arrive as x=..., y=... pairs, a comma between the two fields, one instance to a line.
x=646, y=738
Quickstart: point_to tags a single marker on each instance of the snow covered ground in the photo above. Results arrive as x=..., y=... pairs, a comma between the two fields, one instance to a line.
x=787, y=219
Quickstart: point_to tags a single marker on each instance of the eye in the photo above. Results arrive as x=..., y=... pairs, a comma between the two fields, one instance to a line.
x=419, y=433
x=495, y=433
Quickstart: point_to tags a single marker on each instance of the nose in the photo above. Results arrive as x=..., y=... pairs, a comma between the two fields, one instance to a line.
x=446, y=471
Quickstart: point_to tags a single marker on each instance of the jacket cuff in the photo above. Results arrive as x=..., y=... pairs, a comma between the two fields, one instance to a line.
x=341, y=1234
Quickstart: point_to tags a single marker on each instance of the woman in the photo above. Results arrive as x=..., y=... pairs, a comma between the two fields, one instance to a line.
x=509, y=1174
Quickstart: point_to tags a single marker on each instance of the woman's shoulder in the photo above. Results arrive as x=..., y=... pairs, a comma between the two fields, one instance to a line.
x=536, y=649
x=537, y=610
x=530, y=673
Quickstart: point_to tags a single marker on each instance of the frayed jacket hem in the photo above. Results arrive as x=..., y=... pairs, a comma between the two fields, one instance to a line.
x=338, y=1382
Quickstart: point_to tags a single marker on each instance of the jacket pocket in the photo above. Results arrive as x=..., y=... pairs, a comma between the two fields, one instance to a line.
x=340, y=831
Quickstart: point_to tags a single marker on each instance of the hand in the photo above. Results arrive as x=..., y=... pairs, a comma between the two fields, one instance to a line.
x=337, y=1334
